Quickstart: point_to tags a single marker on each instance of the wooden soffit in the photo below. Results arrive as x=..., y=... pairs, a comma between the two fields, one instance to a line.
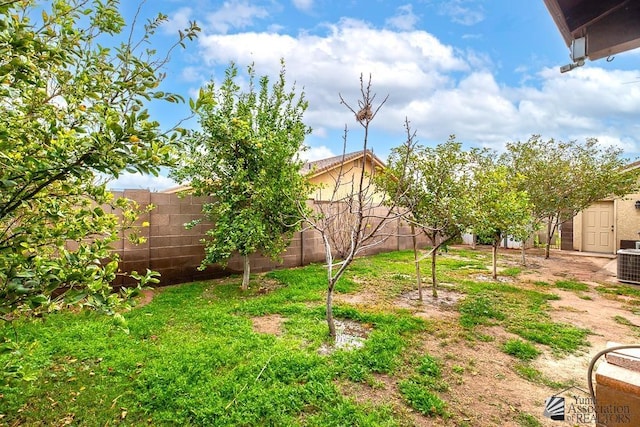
x=609, y=26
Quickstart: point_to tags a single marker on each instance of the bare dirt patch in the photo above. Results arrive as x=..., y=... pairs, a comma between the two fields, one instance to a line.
x=498, y=390
x=567, y=265
x=485, y=390
x=488, y=278
x=485, y=387
x=350, y=335
x=597, y=314
x=446, y=299
x=270, y=324
x=442, y=307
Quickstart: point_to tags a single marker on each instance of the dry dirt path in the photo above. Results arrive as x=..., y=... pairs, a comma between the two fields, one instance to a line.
x=485, y=389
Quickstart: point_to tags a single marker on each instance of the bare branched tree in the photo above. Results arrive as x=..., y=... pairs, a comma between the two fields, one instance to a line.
x=354, y=219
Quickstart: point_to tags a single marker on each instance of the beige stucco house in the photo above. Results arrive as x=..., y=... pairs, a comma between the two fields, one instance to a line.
x=343, y=172
x=605, y=226
x=323, y=174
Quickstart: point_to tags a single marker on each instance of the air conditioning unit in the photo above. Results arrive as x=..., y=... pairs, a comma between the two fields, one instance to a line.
x=629, y=265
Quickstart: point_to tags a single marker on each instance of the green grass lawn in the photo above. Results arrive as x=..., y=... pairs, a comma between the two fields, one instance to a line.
x=192, y=357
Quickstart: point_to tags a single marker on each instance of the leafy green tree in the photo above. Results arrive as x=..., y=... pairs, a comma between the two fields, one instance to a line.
x=434, y=185
x=246, y=158
x=563, y=178
x=72, y=101
x=502, y=209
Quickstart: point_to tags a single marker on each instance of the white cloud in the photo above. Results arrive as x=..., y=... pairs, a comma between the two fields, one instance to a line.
x=587, y=101
x=304, y=5
x=404, y=19
x=440, y=89
x=476, y=109
x=179, y=20
x=404, y=65
x=234, y=14
x=192, y=74
x=320, y=132
x=593, y=91
x=316, y=153
x=464, y=12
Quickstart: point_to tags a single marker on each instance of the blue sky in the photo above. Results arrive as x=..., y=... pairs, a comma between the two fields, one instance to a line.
x=484, y=70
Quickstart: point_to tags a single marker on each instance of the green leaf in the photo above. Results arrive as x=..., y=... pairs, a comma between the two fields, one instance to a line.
x=54, y=156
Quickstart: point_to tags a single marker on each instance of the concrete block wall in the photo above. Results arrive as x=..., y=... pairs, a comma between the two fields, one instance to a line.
x=170, y=248
x=176, y=252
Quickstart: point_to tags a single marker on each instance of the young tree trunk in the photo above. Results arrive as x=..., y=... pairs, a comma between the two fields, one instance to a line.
x=417, y=261
x=246, y=273
x=330, y=322
x=434, y=280
x=496, y=242
x=331, y=281
x=523, y=259
x=547, y=248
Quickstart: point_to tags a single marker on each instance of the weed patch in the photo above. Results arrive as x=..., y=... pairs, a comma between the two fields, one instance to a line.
x=511, y=272
x=430, y=367
x=527, y=420
x=520, y=349
x=522, y=311
x=479, y=310
x=192, y=357
x=382, y=349
x=622, y=290
x=560, y=337
x=626, y=322
x=531, y=374
x=572, y=285
x=420, y=398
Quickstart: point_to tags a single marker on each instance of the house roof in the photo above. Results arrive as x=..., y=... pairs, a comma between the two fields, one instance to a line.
x=318, y=167
x=632, y=166
x=608, y=26
x=177, y=189
x=314, y=168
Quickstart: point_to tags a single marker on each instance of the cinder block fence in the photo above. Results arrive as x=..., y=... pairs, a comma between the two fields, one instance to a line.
x=176, y=252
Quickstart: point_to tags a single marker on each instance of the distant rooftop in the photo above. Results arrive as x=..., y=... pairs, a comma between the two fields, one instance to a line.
x=322, y=165
x=316, y=166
